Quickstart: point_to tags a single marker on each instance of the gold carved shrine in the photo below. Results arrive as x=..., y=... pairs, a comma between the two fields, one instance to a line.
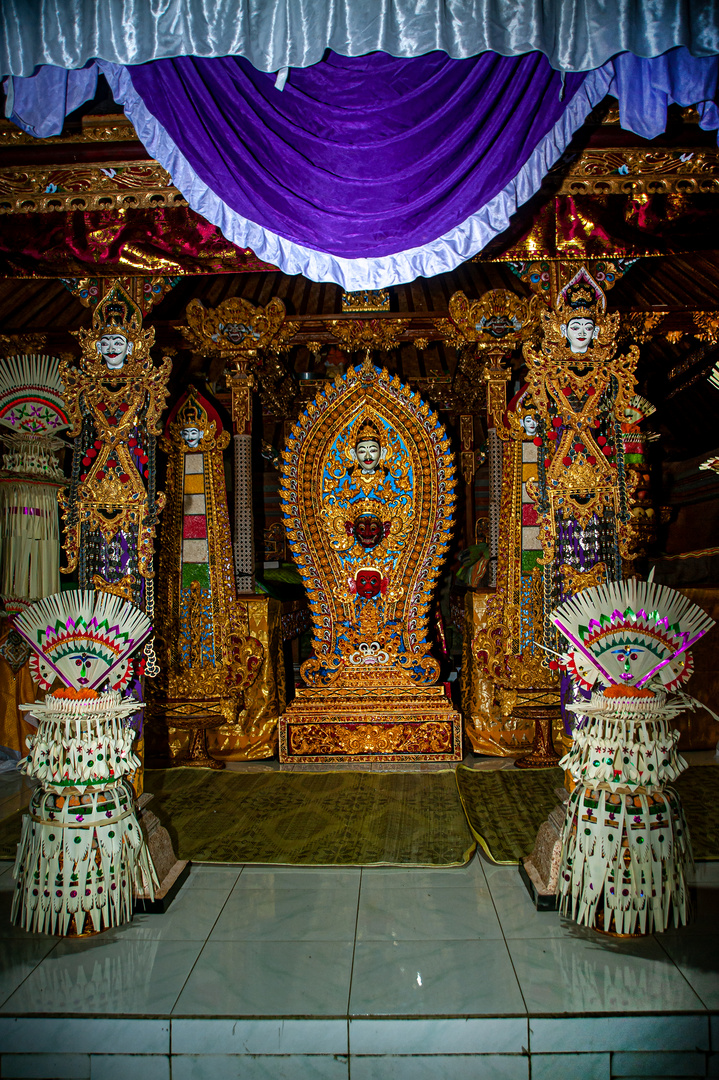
x=368, y=499
x=208, y=658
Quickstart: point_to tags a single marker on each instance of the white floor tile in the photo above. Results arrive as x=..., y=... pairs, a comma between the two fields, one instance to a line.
x=218, y=1067
x=489, y=1066
x=576, y=1066
x=441, y=978
x=288, y=915
x=426, y=914
x=84, y=1036
x=47, y=1066
x=269, y=978
x=617, y=1033
x=215, y=1036
x=485, y=1035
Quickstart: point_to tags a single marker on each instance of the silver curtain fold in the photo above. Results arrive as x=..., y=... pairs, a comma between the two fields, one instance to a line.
x=576, y=35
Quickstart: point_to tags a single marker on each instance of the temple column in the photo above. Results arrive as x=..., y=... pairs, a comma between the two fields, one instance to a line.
x=241, y=384
x=496, y=378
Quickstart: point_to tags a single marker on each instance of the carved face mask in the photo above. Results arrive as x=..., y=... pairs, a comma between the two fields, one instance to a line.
x=579, y=334
x=113, y=349
x=192, y=436
x=369, y=583
x=368, y=530
x=368, y=454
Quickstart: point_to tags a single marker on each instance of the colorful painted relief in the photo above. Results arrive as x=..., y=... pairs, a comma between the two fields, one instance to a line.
x=626, y=850
x=32, y=417
x=207, y=657
x=368, y=502
x=115, y=397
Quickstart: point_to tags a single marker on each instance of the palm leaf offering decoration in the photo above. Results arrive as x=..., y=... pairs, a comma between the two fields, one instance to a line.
x=630, y=633
x=82, y=855
x=32, y=416
x=31, y=401
x=83, y=637
x=626, y=851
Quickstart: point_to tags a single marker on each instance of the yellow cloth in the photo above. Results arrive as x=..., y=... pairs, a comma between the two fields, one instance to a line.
x=15, y=690
x=486, y=708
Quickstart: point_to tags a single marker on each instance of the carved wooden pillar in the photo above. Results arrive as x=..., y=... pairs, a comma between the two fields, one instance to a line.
x=466, y=435
x=241, y=383
x=496, y=378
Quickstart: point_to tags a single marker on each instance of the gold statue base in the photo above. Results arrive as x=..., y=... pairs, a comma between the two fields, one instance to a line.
x=321, y=727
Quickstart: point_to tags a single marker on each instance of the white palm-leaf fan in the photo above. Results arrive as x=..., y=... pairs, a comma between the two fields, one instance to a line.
x=31, y=401
x=83, y=637
x=641, y=407
x=629, y=633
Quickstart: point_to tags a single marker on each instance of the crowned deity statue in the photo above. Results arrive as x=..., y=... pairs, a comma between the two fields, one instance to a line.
x=368, y=496
x=583, y=389
x=565, y=515
x=115, y=397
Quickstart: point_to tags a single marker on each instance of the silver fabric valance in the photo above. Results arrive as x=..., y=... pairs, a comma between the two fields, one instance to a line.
x=575, y=35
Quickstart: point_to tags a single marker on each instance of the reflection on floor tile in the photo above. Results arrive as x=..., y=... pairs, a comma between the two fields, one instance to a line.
x=697, y=957
x=288, y=915
x=411, y=914
x=190, y=917
x=434, y=977
x=269, y=978
x=19, y=958
x=95, y=976
x=587, y=972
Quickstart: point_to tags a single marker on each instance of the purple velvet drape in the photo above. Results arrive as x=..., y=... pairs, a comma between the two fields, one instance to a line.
x=359, y=157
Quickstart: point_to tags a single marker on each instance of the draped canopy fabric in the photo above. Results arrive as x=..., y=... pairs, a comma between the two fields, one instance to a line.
x=575, y=35
x=374, y=170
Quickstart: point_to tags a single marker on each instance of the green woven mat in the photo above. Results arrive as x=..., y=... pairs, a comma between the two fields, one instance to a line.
x=310, y=819
x=505, y=808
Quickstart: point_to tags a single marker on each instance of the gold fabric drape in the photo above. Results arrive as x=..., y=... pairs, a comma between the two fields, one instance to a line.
x=15, y=690
x=487, y=710
x=253, y=735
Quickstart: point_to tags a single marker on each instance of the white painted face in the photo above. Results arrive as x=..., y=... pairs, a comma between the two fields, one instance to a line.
x=192, y=436
x=114, y=349
x=579, y=333
x=530, y=425
x=368, y=454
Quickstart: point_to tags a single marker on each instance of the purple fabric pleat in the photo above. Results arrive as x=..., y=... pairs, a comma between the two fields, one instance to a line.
x=359, y=157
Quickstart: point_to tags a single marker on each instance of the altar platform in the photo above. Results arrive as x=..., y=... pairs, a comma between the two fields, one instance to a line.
x=259, y=973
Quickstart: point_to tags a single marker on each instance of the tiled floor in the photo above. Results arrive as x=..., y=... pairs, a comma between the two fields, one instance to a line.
x=257, y=972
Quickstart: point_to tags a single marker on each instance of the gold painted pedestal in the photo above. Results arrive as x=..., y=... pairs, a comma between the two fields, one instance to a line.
x=419, y=725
